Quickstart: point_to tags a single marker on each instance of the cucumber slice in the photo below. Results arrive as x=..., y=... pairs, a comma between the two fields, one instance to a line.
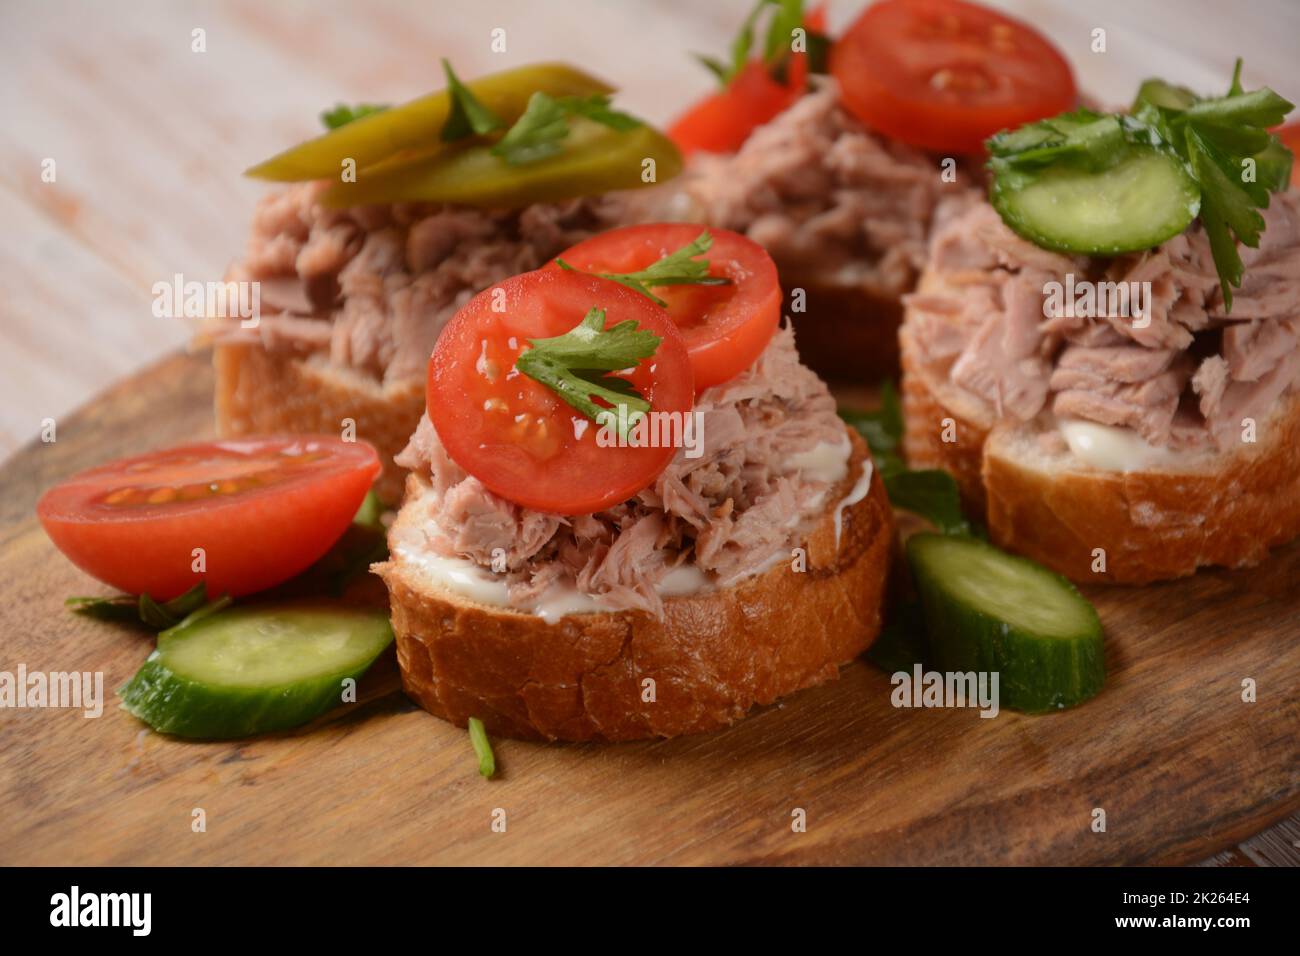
x=1139, y=202
x=986, y=610
x=254, y=669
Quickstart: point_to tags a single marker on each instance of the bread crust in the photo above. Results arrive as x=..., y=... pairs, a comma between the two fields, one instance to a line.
x=260, y=392
x=712, y=656
x=1156, y=525
x=924, y=416
x=847, y=332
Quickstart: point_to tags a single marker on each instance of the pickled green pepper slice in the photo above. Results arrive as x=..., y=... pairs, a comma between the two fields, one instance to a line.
x=418, y=124
x=595, y=159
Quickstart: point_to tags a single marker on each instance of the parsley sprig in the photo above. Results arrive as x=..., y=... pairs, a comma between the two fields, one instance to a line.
x=1224, y=143
x=787, y=16
x=575, y=366
x=680, y=267
x=468, y=116
x=158, y=615
x=342, y=114
x=930, y=492
x=540, y=132
x=1231, y=154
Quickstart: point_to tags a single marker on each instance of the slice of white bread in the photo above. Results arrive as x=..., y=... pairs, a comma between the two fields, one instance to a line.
x=1154, y=525
x=712, y=656
x=1209, y=509
x=261, y=393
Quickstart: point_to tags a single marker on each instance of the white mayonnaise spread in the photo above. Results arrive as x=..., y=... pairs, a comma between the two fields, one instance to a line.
x=682, y=580
x=458, y=575
x=856, y=494
x=771, y=561
x=825, y=461
x=1111, y=448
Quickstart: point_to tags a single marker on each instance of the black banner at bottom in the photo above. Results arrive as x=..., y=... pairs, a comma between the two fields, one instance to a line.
x=335, y=906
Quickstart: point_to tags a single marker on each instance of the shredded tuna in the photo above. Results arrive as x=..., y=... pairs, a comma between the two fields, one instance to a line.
x=373, y=286
x=825, y=195
x=1185, y=378
x=726, y=512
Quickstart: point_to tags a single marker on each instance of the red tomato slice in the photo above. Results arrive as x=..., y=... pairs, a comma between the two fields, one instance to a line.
x=945, y=75
x=725, y=327
x=262, y=510
x=516, y=435
x=1290, y=137
x=722, y=121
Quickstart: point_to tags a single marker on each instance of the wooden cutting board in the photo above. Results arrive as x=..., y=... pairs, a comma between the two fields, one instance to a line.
x=1180, y=764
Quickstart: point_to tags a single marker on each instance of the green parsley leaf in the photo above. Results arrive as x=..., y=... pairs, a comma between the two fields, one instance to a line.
x=1234, y=88
x=468, y=116
x=780, y=31
x=1220, y=139
x=1220, y=188
x=1081, y=135
x=1273, y=166
x=930, y=493
x=342, y=114
x=1258, y=108
x=575, y=366
x=715, y=66
x=478, y=738
x=787, y=16
x=680, y=267
x=155, y=615
x=597, y=109
x=882, y=429
x=158, y=615
x=121, y=607
x=744, y=40
x=370, y=512
x=540, y=131
x=536, y=134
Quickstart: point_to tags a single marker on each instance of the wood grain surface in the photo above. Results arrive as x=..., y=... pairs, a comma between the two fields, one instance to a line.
x=1181, y=765
x=149, y=138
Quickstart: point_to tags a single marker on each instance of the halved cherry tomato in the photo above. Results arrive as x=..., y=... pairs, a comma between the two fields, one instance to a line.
x=262, y=510
x=726, y=327
x=515, y=434
x=1290, y=137
x=945, y=74
x=722, y=121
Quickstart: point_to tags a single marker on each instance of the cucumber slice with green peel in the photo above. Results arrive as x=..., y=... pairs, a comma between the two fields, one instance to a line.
x=986, y=610
x=1139, y=202
x=255, y=669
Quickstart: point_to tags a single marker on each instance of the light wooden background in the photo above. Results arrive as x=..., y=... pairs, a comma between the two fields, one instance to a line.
x=149, y=137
